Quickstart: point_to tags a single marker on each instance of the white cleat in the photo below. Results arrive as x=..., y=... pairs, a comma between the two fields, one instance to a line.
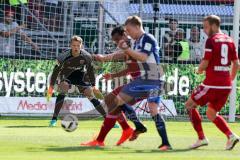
x=199, y=143
x=232, y=141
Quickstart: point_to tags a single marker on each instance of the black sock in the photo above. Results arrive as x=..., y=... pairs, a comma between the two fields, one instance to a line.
x=132, y=116
x=58, y=105
x=98, y=106
x=161, y=128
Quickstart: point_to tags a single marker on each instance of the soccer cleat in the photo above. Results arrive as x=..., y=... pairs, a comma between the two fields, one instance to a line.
x=116, y=125
x=137, y=132
x=199, y=143
x=93, y=143
x=164, y=147
x=232, y=141
x=126, y=134
x=53, y=123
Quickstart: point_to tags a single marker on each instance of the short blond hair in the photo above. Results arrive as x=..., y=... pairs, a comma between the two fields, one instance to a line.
x=213, y=19
x=134, y=20
x=76, y=38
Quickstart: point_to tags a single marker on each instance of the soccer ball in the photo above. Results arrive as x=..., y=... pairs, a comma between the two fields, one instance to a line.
x=69, y=123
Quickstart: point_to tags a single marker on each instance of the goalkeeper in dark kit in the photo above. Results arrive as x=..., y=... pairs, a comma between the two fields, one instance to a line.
x=74, y=67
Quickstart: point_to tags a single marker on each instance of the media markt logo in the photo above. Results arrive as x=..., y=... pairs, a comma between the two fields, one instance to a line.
x=26, y=105
x=42, y=105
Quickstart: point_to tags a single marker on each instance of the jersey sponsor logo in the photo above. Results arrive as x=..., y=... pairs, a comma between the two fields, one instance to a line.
x=76, y=68
x=223, y=40
x=208, y=50
x=148, y=46
x=82, y=61
x=221, y=68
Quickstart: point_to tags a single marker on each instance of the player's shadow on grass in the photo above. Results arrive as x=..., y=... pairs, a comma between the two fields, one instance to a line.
x=72, y=148
x=26, y=126
x=132, y=150
x=174, y=150
x=111, y=151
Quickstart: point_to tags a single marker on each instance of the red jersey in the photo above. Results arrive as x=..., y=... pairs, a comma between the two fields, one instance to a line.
x=133, y=68
x=220, y=51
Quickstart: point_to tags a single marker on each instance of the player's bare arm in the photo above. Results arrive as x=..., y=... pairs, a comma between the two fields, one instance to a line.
x=29, y=40
x=122, y=73
x=116, y=56
x=134, y=54
x=234, y=69
x=202, y=66
x=12, y=31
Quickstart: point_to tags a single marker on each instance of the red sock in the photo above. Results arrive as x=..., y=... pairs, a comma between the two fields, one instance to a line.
x=108, y=124
x=122, y=121
x=222, y=125
x=196, y=120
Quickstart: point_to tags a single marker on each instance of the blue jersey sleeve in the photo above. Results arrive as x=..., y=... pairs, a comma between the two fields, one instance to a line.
x=149, y=45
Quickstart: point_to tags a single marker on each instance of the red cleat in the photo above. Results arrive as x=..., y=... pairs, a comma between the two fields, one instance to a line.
x=93, y=143
x=137, y=132
x=126, y=134
x=165, y=148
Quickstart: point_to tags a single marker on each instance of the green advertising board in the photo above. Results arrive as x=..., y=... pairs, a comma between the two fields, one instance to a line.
x=23, y=78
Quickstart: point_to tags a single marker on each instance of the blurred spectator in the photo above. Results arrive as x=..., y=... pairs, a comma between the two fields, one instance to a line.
x=50, y=10
x=8, y=31
x=196, y=45
x=168, y=38
x=17, y=7
x=35, y=7
x=179, y=49
x=2, y=5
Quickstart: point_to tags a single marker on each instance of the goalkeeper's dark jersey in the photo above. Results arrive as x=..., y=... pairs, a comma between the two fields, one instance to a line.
x=75, y=70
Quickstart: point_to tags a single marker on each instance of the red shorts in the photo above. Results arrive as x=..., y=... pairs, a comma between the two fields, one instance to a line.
x=117, y=90
x=217, y=97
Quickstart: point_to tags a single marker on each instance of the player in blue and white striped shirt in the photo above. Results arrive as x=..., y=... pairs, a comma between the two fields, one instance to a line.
x=146, y=85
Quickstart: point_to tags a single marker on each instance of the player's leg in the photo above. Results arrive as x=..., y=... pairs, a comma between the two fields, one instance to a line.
x=122, y=99
x=63, y=88
x=159, y=123
x=108, y=123
x=130, y=113
x=114, y=115
x=88, y=92
x=127, y=130
x=121, y=119
x=195, y=118
x=197, y=98
x=132, y=116
x=112, y=102
x=219, y=121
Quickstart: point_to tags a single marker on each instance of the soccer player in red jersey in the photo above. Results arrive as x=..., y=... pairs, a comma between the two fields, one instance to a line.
x=132, y=69
x=220, y=64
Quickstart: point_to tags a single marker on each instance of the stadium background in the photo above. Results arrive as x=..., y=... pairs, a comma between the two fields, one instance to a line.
x=93, y=21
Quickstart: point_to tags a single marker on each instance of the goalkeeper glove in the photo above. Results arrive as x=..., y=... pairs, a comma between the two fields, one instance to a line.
x=49, y=93
x=97, y=93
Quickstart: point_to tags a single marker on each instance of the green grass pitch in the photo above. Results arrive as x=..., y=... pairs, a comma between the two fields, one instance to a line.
x=22, y=139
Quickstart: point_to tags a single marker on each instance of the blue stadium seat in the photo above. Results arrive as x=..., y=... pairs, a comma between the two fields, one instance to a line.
x=185, y=9
x=121, y=12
